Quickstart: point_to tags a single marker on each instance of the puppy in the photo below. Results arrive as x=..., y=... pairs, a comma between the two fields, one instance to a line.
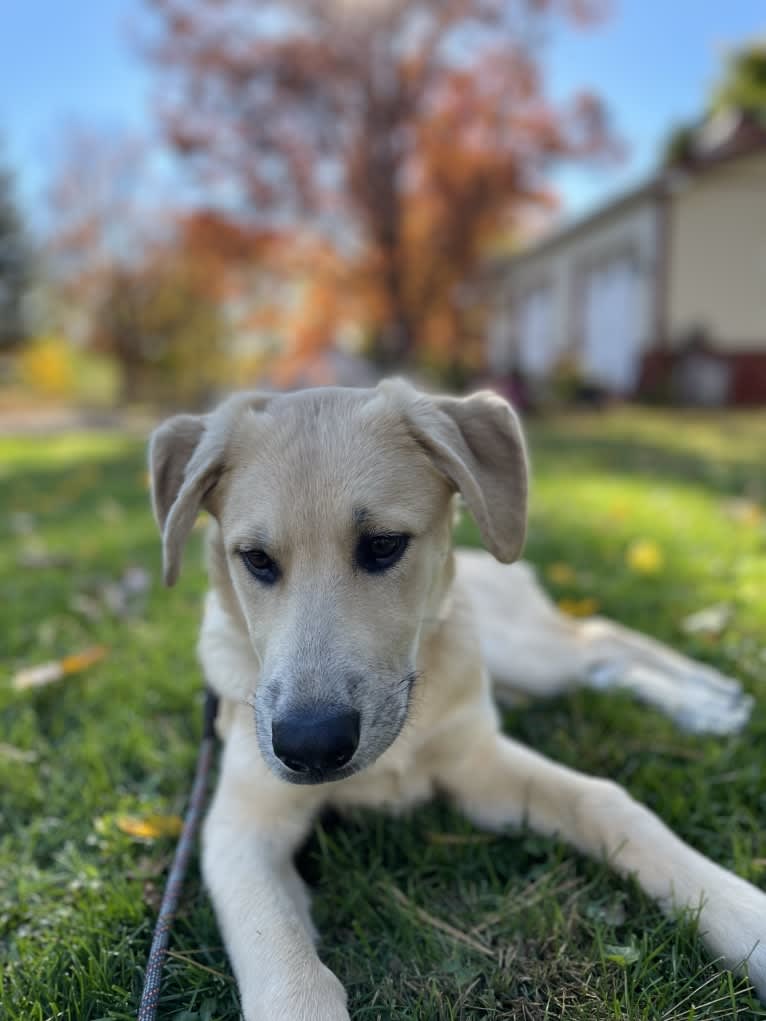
x=335, y=593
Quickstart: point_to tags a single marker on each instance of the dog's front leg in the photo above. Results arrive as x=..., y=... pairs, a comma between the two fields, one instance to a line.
x=252, y=830
x=499, y=782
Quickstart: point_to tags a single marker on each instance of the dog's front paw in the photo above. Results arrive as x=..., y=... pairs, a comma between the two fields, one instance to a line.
x=733, y=925
x=307, y=993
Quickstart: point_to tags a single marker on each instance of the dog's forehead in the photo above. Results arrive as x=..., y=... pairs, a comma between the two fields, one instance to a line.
x=329, y=455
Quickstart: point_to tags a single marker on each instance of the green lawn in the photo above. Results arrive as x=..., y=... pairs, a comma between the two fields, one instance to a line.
x=550, y=935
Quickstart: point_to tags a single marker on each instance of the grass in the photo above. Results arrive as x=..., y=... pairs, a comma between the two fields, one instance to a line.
x=422, y=917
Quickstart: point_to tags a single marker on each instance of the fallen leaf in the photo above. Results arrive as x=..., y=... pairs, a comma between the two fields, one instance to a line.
x=81, y=660
x=123, y=597
x=560, y=573
x=22, y=523
x=111, y=511
x=48, y=673
x=622, y=955
x=460, y=839
x=9, y=751
x=618, y=511
x=744, y=512
x=136, y=581
x=644, y=556
x=37, y=676
x=711, y=621
x=613, y=913
x=152, y=895
x=86, y=607
x=150, y=827
x=584, y=607
x=41, y=558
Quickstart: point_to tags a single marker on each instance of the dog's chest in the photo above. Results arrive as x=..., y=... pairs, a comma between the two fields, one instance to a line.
x=394, y=783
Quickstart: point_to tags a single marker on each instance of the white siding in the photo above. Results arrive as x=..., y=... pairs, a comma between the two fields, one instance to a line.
x=718, y=256
x=562, y=269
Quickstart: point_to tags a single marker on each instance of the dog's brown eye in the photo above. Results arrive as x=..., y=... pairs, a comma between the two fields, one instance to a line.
x=379, y=552
x=260, y=565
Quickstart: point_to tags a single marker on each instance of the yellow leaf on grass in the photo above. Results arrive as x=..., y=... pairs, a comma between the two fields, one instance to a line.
x=150, y=827
x=618, y=510
x=80, y=660
x=49, y=673
x=560, y=573
x=745, y=512
x=584, y=607
x=644, y=556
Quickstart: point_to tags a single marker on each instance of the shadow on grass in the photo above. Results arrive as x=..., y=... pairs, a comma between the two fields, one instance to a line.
x=722, y=455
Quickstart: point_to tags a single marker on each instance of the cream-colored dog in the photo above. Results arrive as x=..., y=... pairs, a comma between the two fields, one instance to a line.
x=335, y=597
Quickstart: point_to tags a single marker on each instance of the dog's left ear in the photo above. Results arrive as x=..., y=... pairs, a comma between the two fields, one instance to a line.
x=183, y=469
x=477, y=443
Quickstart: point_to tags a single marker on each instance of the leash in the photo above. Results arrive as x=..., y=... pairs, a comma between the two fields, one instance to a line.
x=150, y=997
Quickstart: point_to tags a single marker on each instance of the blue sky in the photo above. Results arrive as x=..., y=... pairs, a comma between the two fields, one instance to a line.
x=653, y=62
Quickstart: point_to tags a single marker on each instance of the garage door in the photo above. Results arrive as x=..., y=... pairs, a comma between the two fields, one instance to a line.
x=537, y=347
x=612, y=339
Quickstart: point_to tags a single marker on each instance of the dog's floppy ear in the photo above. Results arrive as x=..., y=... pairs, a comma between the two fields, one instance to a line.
x=477, y=443
x=183, y=470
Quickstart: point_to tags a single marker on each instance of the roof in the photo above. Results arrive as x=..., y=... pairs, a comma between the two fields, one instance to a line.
x=717, y=140
x=652, y=188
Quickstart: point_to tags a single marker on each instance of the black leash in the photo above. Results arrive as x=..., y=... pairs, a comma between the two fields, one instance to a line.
x=150, y=997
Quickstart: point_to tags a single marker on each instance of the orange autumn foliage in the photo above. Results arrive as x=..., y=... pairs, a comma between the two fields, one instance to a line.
x=404, y=135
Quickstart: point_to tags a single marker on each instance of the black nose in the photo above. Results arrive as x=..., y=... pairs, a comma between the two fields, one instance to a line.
x=316, y=740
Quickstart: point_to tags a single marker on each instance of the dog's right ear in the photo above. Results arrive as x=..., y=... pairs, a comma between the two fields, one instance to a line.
x=183, y=469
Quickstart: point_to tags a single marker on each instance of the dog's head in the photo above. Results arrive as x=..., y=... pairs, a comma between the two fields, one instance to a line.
x=332, y=546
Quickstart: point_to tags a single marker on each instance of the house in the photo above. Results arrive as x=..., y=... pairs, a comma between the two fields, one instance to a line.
x=660, y=290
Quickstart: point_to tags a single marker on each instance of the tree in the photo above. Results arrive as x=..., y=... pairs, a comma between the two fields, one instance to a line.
x=743, y=83
x=100, y=219
x=138, y=280
x=160, y=321
x=403, y=132
x=15, y=265
x=741, y=89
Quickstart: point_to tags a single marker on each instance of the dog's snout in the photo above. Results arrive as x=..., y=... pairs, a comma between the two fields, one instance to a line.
x=316, y=740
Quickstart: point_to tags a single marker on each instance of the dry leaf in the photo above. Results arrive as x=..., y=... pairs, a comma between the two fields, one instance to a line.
x=584, y=607
x=9, y=751
x=644, y=556
x=560, y=573
x=711, y=620
x=622, y=955
x=81, y=660
x=150, y=827
x=41, y=559
x=48, y=673
x=460, y=839
x=618, y=511
x=125, y=595
x=22, y=523
x=86, y=607
x=136, y=581
x=111, y=511
x=744, y=512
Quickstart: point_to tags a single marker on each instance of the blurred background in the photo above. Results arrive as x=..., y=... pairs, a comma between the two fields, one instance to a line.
x=563, y=198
